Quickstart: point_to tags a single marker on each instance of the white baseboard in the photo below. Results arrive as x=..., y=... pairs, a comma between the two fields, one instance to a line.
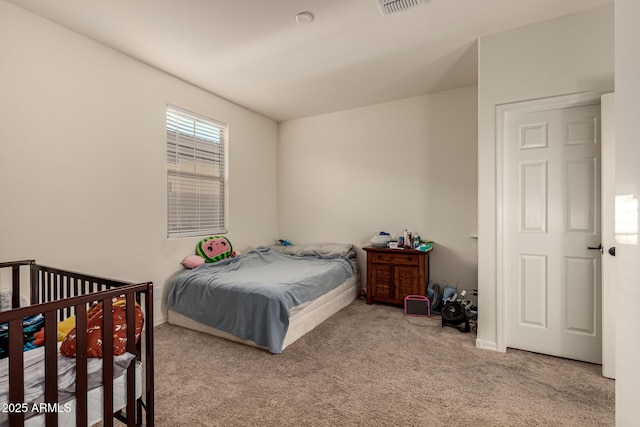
x=159, y=320
x=487, y=345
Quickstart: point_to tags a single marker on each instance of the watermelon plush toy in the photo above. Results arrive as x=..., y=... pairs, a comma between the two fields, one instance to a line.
x=211, y=249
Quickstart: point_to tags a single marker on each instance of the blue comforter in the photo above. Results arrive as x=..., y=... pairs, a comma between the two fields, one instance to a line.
x=251, y=296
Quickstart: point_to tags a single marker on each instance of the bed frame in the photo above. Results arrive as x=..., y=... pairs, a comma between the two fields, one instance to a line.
x=58, y=294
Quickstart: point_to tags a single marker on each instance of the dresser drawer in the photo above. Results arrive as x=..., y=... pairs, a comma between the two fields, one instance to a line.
x=399, y=258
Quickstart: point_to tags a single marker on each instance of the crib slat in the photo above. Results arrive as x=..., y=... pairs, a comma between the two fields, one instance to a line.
x=51, y=365
x=49, y=281
x=56, y=286
x=15, y=286
x=16, y=371
x=68, y=295
x=81, y=365
x=131, y=347
x=35, y=274
x=148, y=306
x=107, y=362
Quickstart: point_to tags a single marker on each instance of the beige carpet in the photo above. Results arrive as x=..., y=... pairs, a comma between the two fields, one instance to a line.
x=371, y=366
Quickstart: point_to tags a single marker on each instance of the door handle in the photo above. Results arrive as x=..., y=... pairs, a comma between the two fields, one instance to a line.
x=612, y=251
x=596, y=248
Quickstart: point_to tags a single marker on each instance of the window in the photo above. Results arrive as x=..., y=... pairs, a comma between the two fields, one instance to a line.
x=196, y=174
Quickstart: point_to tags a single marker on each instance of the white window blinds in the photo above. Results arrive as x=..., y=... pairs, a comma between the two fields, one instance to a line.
x=196, y=174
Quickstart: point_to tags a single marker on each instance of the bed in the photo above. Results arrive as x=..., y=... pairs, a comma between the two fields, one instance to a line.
x=40, y=386
x=268, y=297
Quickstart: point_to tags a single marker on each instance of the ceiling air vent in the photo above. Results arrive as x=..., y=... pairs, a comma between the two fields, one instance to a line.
x=393, y=6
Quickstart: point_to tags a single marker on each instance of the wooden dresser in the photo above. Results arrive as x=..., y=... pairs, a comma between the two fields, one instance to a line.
x=392, y=274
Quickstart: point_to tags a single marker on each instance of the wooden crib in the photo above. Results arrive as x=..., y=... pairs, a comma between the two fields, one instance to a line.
x=57, y=294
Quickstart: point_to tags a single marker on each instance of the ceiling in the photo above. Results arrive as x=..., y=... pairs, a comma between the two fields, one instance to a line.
x=255, y=54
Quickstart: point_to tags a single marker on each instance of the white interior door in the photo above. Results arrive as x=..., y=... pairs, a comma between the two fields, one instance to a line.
x=551, y=218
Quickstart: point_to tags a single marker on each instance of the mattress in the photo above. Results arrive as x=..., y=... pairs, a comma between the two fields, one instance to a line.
x=303, y=317
x=34, y=387
x=95, y=402
x=251, y=296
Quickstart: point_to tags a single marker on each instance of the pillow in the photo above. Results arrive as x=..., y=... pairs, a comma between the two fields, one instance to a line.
x=193, y=261
x=5, y=300
x=288, y=250
x=94, y=330
x=329, y=249
x=215, y=248
x=64, y=327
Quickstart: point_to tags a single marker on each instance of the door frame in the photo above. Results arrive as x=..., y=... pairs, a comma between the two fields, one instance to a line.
x=502, y=110
x=608, y=192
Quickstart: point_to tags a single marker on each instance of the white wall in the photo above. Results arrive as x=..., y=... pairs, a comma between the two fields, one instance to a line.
x=347, y=175
x=82, y=156
x=565, y=55
x=627, y=182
